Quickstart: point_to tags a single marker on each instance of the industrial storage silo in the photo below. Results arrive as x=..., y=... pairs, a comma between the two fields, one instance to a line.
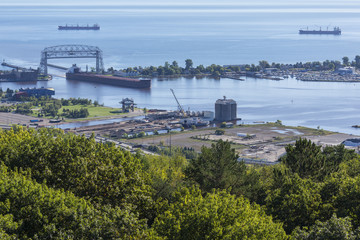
x=233, y=110
x=225, y=109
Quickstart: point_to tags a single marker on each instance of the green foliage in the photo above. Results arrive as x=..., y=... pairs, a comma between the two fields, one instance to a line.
x=292, y=200
x=308, y=160
x=305, y=158
x=82, y=113
x=216, y=167
x=219, y=132
x=32, y=210
x=346, y=198
x=335, y=155
x=76, y=101
x=333, y=229
x=345, y=61
x=63, y=186
x=187, y=152
x=188, y=64
x=264, y=64
x=5, y=109
x=100, y=173
x=141, y=134
x=218, y=215
x=350, y=168
x=166, y=174
x=24, y=108
x=51, y=109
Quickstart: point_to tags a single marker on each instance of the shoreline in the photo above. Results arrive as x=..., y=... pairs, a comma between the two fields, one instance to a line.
x=244, y=79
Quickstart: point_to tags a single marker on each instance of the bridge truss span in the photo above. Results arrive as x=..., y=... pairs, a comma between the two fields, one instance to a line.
x=71, y=51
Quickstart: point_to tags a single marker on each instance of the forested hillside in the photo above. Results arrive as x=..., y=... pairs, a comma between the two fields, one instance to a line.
x=62, y=186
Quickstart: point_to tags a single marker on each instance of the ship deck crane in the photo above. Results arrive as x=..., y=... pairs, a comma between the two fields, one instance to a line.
x=180, y=108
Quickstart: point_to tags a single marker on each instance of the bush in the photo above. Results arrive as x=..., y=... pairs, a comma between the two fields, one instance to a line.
x=220, y=132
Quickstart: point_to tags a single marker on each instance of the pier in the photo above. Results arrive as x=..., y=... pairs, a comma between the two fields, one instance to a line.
x=11, y=66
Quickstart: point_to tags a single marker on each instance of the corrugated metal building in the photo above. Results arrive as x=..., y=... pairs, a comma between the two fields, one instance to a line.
x=37, y=92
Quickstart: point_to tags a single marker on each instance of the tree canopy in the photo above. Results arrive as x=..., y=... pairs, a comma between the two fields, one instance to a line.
x=63, y=186
x=216, y=167
x=218, y=215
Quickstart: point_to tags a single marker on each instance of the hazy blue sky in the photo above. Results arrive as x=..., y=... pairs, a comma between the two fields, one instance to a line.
x=167, y=2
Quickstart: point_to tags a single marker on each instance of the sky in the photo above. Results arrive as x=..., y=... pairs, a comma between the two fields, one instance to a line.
x=169, y=2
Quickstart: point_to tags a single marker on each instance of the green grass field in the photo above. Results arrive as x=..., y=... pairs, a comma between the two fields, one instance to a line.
x=94, y=111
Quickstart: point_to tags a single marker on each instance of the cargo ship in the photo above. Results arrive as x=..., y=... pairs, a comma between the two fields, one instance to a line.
x=18, y=74
x=74, y=73
x=335, y=31
x=77, y=27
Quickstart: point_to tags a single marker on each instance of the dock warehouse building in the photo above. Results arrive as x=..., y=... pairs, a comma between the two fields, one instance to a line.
x=36, y=92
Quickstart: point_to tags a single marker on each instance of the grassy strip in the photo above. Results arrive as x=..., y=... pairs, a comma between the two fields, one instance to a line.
x=93, y=111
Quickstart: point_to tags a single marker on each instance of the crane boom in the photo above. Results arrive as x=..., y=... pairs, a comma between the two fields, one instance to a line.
x=179, y=106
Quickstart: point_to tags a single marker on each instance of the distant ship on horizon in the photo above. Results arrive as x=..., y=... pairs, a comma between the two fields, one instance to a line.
x=78, y=27
x=335, y=31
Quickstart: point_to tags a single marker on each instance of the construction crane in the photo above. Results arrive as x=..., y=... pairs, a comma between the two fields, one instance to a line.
x=180, y=108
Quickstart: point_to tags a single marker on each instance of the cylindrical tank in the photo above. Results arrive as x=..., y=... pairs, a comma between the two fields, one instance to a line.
x=225, y=109
x=233, y=110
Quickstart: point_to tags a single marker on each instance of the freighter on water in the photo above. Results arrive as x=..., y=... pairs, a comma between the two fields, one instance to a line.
x=74, y=73
x=335, y=31
x=77, y=27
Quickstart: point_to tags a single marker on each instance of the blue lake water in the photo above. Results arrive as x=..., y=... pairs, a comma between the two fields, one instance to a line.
x=232, y=33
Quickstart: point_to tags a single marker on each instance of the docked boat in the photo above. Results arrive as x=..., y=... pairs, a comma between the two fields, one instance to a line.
x=77, y=27
x=74, y=73
x=54, y=120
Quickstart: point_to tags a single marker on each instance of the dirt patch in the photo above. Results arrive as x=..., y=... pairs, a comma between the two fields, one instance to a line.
x=266, y=142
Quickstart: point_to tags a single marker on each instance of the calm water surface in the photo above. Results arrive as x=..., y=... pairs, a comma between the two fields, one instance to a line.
x=235, y=33
x=332, y=106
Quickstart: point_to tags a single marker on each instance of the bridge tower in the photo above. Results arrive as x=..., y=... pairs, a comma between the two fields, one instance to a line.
x=71, y=51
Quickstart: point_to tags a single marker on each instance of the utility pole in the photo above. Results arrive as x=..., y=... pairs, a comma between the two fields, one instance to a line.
x=170, y=141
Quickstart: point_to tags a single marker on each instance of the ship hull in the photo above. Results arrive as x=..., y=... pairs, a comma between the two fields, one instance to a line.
x=109, y=80
x=320, y=32
x=77, y=28
x=20, y=76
